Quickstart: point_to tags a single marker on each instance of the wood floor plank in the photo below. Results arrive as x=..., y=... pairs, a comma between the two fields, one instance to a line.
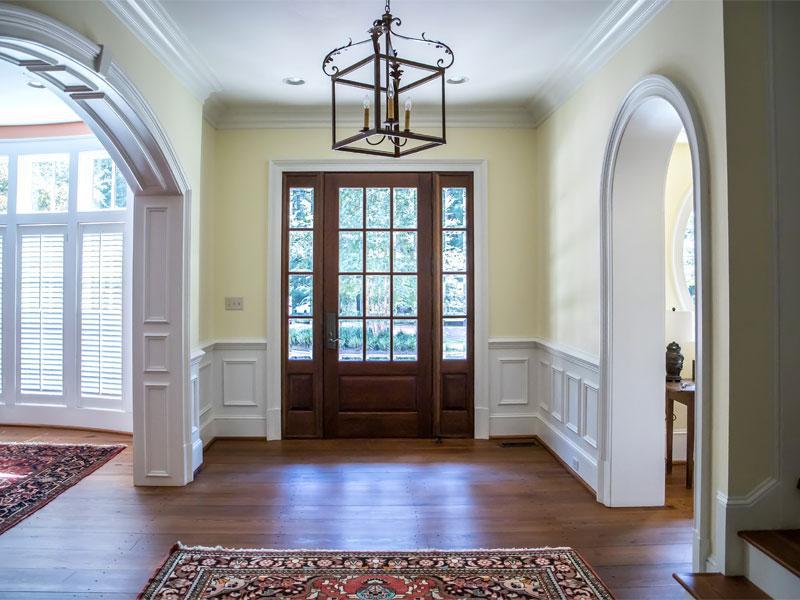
x=103, y=537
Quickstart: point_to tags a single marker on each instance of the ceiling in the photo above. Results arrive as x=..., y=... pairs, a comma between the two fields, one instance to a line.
x=522, y=57
x=507, y=48
x=21, y=104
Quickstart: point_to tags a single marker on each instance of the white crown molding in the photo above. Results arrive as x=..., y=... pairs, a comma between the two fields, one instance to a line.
x=148, y=21
x=615, y=28
x=319, y=117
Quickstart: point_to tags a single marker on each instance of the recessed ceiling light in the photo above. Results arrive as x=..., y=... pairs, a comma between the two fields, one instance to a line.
x=294, y=81
x=36, y=84
x=458, y=80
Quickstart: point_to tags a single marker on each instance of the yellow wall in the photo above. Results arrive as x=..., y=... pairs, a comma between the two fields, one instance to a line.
x=685, y=43
x=177, y=110
x=240, y=220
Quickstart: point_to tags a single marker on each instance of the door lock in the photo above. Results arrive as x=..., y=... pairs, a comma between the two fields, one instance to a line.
x=331, y=341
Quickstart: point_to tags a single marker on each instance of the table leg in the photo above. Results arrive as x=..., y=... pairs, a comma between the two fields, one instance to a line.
x=689, y=445
x=669, y=410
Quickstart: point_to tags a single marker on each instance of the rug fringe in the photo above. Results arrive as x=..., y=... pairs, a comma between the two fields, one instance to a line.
x=181, y=546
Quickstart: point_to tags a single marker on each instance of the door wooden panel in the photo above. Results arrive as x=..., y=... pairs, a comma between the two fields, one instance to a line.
x=377, y=305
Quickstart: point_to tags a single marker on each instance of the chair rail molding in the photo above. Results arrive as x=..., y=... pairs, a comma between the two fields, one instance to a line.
x=79, y=72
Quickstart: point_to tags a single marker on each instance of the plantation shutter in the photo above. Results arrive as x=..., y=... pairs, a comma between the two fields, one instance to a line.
x=41, y=309
x=2, y=256
x=101, y=311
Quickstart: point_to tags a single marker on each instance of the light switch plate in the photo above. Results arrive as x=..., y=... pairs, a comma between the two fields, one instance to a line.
x=234, y=303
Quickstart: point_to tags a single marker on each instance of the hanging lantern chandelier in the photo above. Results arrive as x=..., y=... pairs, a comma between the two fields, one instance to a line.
x=386, y=79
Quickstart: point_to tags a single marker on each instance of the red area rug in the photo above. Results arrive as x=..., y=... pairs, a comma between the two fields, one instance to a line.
x=542, y=573
x=31, y=475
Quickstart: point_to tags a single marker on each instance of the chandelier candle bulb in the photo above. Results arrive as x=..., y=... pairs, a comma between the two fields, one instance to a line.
x=366, y=105
x=390, y=106
x=408, y=114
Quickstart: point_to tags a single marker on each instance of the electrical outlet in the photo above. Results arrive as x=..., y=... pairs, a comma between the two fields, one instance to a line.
x=234, y=303
x=576, y=465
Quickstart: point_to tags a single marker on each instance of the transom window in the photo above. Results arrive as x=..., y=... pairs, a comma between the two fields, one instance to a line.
x=63, y=274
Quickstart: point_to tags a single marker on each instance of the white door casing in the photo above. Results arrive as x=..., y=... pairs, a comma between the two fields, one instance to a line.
x=82, y=75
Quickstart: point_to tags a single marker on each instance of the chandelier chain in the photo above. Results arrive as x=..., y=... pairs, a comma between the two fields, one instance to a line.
x=388, y=8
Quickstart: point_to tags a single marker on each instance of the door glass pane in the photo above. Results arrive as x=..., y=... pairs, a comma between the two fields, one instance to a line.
x=378, y=208
x=301, y=251
x=301, y=208
x=350, y=208
x=454, y=250
x=405, y=296
x=405, y=251
x=404, y=339
x=454, y=339
x=454, y=294
x=378, y=339
x=351, y=340
x=454, y=208
x=351, y=296
x=350, y=251
x=377, y=251
x=301, y=294
x=300, y=338
x=378, y=295
x=405, y=208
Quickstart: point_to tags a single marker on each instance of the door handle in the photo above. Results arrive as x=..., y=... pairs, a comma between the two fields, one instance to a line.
x=331, y=340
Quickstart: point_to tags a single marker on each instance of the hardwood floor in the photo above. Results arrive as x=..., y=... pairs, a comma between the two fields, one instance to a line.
x=104, y=537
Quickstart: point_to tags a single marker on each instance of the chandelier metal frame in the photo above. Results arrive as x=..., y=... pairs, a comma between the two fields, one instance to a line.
x=387, y=66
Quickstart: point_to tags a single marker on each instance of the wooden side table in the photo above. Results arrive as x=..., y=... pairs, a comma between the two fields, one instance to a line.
x=682, y=392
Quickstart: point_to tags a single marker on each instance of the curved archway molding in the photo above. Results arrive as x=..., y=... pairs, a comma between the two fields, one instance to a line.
x=632, y=300
x=167, y=446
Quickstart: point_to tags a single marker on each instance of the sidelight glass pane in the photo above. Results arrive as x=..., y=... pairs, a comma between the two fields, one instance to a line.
x=301, y=208
x=377, y=251
x=351, y=251
x=405, y=251
x=454, y=339
x=301, y=295
x=378, y=295
x=351, y=210
x=454, y=294
x=301, y=251
x=378, y=208
x=404, y=339
x=405, y=208
x=454, y=208
x=351, y=340
x=405, y=296
x=378, y=339
x=351, y=300
x=301, y=338
x=454, y=251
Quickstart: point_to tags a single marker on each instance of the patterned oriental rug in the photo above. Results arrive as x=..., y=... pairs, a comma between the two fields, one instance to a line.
x=542, y=573
x=31, y=475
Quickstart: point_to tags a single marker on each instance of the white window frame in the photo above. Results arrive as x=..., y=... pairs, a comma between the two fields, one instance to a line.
x=71, y=222
x=679, y=277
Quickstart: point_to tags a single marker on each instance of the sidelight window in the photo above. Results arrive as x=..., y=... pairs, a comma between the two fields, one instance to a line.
x=454, y=273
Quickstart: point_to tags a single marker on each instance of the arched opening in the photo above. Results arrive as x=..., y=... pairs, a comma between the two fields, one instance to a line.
x=634, y=255
x=167, y=447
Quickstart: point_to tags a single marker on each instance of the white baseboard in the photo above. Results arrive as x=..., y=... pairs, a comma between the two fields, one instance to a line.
x=508, y=425
x=250, y=426
x=584, y=465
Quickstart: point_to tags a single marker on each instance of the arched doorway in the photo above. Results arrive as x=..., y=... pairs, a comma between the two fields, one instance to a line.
x=167, y=446
x=632, y=302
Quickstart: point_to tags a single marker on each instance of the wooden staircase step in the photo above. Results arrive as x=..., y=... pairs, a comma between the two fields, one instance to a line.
x=716, y=586
x=781, y=545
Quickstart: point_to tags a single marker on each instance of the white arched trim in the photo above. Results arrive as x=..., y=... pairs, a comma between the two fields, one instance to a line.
x=654, y=87
x=166, y=439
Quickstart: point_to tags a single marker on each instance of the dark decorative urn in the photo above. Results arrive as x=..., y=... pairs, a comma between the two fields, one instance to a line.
x=674, y=362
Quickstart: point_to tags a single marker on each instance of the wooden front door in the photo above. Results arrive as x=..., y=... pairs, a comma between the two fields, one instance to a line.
x=377, y=329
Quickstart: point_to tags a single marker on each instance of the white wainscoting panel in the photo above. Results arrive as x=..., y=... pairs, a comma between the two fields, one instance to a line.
x=589, y=413
x=557, y=393
x=511, y=411
x=513, y=381
x=232, y=383
x=572, y=403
